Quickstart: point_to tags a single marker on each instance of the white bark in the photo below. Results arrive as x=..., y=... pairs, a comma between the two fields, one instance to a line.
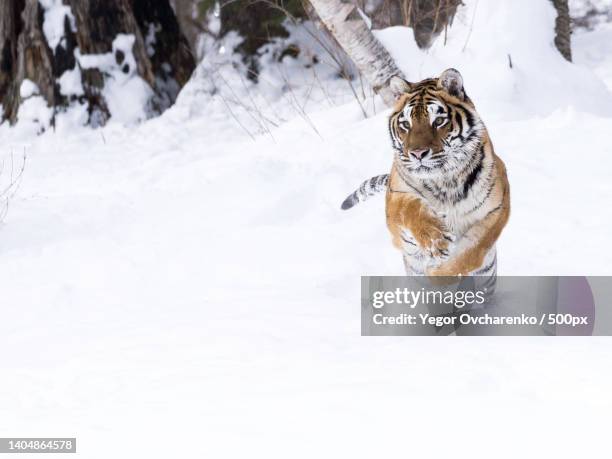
x=349, y=29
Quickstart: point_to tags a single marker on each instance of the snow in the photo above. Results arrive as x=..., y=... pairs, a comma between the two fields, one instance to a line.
x=540, y=79
x=188, y=286
x=34, y=114
x=595, y=49
x=28, y=88
x=590, y=13
x=70, y=82
x=54, y=19
x=150, y=39
x=128, y=96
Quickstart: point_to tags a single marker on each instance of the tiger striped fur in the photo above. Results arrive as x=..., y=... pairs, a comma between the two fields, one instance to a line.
x=448, y=197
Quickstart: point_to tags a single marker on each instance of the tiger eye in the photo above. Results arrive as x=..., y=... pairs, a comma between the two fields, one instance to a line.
x=438, y=122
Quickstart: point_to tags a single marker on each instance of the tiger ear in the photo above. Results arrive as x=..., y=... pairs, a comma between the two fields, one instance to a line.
x=452, y=81
x=399, y=86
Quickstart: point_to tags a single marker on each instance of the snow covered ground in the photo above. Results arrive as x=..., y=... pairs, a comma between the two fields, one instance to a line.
x=189, y=287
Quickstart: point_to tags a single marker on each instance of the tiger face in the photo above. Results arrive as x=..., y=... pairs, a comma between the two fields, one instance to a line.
x=434, y=127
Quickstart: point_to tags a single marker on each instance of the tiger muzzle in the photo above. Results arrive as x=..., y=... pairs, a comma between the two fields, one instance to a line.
x=419, y=153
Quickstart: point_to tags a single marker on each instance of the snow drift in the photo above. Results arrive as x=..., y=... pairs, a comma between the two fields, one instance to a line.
x=506, y=53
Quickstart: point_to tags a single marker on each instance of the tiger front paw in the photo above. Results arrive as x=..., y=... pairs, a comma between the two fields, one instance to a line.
x=437, y=243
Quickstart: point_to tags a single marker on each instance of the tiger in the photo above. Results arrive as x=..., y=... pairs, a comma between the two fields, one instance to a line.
x=447, y=195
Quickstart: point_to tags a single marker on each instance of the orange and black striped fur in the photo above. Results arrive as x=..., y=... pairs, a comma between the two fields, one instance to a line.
x=447, y=196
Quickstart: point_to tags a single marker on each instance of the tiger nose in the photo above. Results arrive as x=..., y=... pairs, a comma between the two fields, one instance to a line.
x=420, y=153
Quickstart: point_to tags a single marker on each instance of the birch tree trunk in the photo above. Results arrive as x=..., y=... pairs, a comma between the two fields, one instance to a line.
x=348, y=27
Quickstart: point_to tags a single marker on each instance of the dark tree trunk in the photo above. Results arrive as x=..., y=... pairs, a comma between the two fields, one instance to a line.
x=25, y=55
x=10, y=28
x=172, y=60
x=162, y=56
x=563, y=29
x=258, y=23
x=428, y=18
